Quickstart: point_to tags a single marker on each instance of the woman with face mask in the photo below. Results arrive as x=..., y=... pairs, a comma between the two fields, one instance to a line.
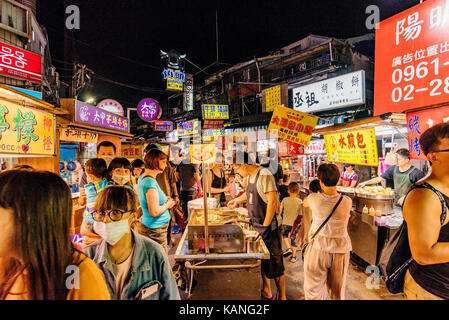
x=122, y=252
x=119, y=173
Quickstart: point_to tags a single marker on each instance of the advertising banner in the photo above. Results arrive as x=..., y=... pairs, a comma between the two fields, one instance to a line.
x=412, y=59
x=132, y=151
x=187, y=128
x=200, y=153
x=19, y=63
x=215, y=112
x=291, y=125
x=161, y=125
x=418, y=123
x=25, y=130
x=355, y=147
x=88, y=114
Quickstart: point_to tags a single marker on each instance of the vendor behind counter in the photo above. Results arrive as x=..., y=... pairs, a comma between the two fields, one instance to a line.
x=402, y=176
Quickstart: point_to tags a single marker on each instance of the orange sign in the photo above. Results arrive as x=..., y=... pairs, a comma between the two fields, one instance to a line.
x=412, y=59
x=356, y=147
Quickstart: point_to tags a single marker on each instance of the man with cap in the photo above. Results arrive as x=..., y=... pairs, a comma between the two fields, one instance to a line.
x=348, y=177
x=262, y=200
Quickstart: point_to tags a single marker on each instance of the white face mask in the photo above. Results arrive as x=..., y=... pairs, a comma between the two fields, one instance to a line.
x=121, y=180
x=112, y=232
x=108, y=159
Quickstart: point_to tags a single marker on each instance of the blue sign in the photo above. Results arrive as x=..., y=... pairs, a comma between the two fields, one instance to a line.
x=32, y=93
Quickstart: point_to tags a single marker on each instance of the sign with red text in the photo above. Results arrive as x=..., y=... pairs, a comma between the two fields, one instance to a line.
x=315, y=147
x=283, y=148
x=295, y=149
x=291, y=125
x=418, y=123
x=412, y=59
x=162, y=125
x=19, y=63
x=356, y=147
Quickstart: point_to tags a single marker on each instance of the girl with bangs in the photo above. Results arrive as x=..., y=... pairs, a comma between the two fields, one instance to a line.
x=135, y=267
x=37, y=258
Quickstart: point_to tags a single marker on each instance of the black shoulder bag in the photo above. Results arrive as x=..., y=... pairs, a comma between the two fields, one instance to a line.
x=396, y=256
x=304, y=248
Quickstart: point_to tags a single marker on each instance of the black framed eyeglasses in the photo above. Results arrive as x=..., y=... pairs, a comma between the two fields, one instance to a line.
x=114, y=215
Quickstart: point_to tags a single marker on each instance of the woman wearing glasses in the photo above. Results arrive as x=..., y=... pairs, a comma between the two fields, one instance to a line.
x=135, y=267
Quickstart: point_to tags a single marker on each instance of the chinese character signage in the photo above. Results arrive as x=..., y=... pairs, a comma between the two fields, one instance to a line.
x=339, y=92
x=315, y=147
x=412, y=59
x=200, y=153
x=213, y=124
x=112, y=106
x=291, y=125
x=19, y=63
x=283, y=148
x=25, y=130
x=175, y=79
x=215, y=112
x=188, y=93
x=149, y=110
x=88, y=114
x=295, y=149
x=75, y=135
x=418, y=123
x=272, y=98
x=357, y=147
x=131, y=151
x=187, y=128
x=161, y=125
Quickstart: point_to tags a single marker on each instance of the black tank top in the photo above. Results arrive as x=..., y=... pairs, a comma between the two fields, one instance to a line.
x=434, y=278
x=219, y=183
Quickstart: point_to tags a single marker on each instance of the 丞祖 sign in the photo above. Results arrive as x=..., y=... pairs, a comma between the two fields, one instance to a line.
x=291, y=125
x=339, y=92
x=215, y=112
x=149, y=110
x=418, y=123
x=19, y=63
x=88, y=114
x=412, y=59
x=75, y=135
x=356, y=147
x=26, y=131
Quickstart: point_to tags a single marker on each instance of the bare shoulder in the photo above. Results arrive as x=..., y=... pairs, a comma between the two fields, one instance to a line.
x=421, y=203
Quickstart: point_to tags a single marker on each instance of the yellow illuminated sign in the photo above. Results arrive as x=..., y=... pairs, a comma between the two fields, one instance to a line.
x=354, y=147
x=25, y=130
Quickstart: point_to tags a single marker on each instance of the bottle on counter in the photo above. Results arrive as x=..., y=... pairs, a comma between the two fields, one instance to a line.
x=365, y=210
x=372, y=212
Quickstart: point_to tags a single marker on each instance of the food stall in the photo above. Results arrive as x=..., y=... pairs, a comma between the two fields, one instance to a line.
x=219, y=247
x=80, y=131
x=28, y=131
x=374, y=217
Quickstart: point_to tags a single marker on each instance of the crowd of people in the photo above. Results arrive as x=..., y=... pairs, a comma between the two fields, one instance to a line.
x=129, y=216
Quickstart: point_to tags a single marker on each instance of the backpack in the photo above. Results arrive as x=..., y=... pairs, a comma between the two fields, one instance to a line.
x=396, y=256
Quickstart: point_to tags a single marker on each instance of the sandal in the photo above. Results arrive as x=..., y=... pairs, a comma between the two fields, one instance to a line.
x=287, y=253
x=265, y=298
x=293, y=259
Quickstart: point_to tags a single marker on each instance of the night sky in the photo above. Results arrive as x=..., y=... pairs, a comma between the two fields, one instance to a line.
x=121, y=40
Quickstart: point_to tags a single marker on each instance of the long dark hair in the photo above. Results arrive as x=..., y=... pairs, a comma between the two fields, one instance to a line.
x=41, y=203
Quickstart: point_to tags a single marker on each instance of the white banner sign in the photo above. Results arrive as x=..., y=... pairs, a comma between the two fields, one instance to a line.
x=339, y=92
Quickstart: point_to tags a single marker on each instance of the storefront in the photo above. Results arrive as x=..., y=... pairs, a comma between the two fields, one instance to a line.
x=28, y=131
x=365, y=144
x=80, y=132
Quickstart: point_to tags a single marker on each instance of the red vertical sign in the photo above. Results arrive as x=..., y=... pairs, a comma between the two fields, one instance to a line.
x=418, y=123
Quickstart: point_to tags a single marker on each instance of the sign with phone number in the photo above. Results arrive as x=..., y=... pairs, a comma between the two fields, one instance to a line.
x=412, y=59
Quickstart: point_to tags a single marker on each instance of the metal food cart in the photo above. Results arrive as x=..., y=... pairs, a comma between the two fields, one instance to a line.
x=223, y=251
